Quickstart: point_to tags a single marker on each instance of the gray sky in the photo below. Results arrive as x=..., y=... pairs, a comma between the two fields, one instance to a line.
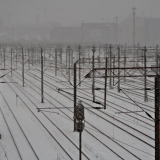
x=73, y=12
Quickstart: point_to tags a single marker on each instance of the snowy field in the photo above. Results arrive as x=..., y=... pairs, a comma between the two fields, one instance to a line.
x=27, y=134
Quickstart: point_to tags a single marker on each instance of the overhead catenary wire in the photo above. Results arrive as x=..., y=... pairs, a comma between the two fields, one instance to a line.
x=138, y=106
x=122, y=142
x=97, y=102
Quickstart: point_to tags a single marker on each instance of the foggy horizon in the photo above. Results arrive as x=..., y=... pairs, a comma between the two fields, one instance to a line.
x=73, y=13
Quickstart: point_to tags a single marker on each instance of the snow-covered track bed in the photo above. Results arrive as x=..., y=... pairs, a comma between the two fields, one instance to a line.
x=38, y=141
x=45, y=93
x=17, y=132
x=105, y=149
x=111, y=105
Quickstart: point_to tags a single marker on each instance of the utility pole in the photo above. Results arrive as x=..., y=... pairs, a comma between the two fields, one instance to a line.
x=79, y=51
x=145, y=75
x=113, y=67
x=134, y=32
x=105, y=84
x=42, y=96
x=55, y=62
x=80, y=142
x=72, y=61
x=61, y=55
x=16, y=57
x=28, y=58
x=66, y=60
x=32, y=55
x=44, y=51
x=75, y=94
x=4, y=59
x=23, y=66
x=125, y=62
x=137, y=53
x=93, y=79
x=157, y=57
x=69, y=61
x=116, y=30
x=118, y=69
x=157, y=117
x=106, y=49
x=99, y=62
x=11, y=62
x=110, y=63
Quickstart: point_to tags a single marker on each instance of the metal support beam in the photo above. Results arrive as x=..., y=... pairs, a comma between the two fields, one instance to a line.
x=4, y=59
x=113, y=68
x=157, y=117
x=55, y=62
x=42, y=96
x=110, y=63
x=28, y=59
x=16, y=57
x=32, y=56
x=80, y=141
x=11, y=62
x=23, y=66
x=61, y=56
x=44, y=51
x=118, y=69
x=134, y=32
x=106, y=50
x=116, y=30
x=69, y=61
x=66, y=60
x=79, y=50
x=138, y=46
x=145, y=75
x=75, y=95
x=93, y=79
x=157, y=57
x=105, y=85
x=125, y=62
x=99, y=60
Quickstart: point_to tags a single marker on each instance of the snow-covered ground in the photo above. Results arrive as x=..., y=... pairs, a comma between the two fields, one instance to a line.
x=48, y=135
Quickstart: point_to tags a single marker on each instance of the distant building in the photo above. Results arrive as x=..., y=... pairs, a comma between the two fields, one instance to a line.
x=99, y=32
x=147, y=31
x=126, y=31
x=86, y=33
x=152, y=31
x=66, y=35
x=27, y=31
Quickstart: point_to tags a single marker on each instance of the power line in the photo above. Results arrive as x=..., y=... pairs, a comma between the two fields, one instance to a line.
x=123, y=142
x=138, y=106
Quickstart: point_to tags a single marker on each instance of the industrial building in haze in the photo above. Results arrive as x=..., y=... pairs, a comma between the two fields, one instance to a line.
x=147, y=32
x=86, y=33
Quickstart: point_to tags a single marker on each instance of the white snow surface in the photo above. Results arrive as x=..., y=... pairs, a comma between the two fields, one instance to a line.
x=48, y=135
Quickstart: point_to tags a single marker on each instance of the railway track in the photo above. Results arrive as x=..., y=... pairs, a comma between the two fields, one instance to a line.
x=83, y=93
x=49, y=132
x=111, y=94
x=90, y=134
x=22, y=154
x=46, y=93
